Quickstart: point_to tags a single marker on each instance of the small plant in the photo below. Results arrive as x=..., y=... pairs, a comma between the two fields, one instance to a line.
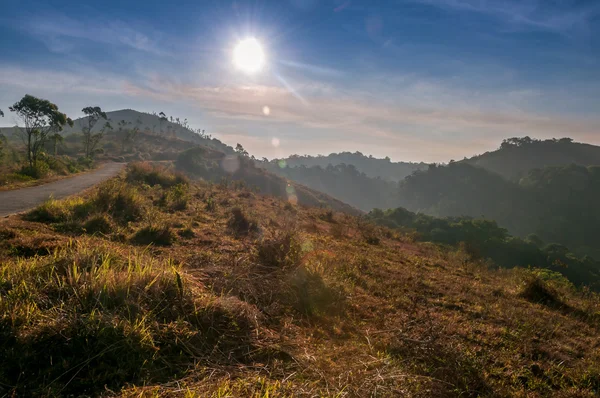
x=211, y=204
x=240, y=224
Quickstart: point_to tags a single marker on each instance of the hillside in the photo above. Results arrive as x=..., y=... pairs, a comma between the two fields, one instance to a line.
x=146, y=123
x=152, y=286
x=558, y=204
x=517, y=156
x=372, y=167
x=344, y=182
x=215, y=166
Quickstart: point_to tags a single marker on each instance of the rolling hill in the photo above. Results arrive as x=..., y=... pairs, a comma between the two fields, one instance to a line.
x=517, y=156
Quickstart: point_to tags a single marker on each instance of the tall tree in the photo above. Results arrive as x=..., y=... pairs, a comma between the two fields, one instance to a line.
x=1, y=113
x=56, y=138
x=162, y=119
x=91, y=140
x=40, y=118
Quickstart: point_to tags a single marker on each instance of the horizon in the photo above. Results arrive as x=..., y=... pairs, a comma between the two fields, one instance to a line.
x=420, y=80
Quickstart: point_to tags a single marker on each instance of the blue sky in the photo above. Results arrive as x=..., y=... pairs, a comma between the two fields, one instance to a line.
x=415, y=80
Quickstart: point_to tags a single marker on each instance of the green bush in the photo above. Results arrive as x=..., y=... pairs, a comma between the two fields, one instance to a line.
x=40, y=170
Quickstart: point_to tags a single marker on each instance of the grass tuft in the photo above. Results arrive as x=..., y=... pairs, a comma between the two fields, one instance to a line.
x=156, y=235
x=147, y=173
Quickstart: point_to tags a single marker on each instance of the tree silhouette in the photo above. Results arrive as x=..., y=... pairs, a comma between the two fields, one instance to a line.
x=162, y=119
x=240, y=150
x=90, y=140
x=40, y=118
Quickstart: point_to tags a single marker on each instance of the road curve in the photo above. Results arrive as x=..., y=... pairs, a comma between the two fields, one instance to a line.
x=19, y=200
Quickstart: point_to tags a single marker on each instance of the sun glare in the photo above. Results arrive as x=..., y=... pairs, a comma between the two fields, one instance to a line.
x=248, y=56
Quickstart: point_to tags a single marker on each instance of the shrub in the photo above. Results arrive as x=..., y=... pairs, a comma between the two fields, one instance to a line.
x=240, y=224
x=40, y=170
x=539, y=291
x=85, y=162
x=283, y=250
x=156, y=235
x=327, y=216
x=146, y=173
x=122, y=202
x=99, y=223
x=54, y=211
x=177, y=197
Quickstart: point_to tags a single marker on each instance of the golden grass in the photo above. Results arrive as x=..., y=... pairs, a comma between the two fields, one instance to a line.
x=306, y=305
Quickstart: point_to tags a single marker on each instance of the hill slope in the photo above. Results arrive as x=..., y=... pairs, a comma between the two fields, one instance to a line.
x=207, y=291
x=344, y=182
x=517, y=156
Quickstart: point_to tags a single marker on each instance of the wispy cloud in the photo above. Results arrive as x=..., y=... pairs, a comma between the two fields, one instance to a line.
x=357, y=116
x=59, y=31
x=565, y=18
x=82, y=80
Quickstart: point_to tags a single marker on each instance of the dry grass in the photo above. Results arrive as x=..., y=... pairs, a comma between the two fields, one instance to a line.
x=285, y=310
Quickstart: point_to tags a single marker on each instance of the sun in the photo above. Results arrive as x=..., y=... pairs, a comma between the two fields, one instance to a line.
x=249, y=56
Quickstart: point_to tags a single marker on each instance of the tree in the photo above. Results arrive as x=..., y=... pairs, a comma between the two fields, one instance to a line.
x=56, y=138
x=162, y=119
x=1, y=113
x=40, y=118
x=240, y=150
x=124, y=135
x=90, y=140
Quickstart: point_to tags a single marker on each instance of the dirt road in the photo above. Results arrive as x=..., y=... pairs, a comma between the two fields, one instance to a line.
x=19, y=200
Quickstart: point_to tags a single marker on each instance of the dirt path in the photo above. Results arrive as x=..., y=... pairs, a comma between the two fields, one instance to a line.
x=19, y=200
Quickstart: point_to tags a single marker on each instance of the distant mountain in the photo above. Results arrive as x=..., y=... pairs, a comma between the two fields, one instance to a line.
x=146, y=122
x=372, y=167
x=517, y=156
x=343, y=181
